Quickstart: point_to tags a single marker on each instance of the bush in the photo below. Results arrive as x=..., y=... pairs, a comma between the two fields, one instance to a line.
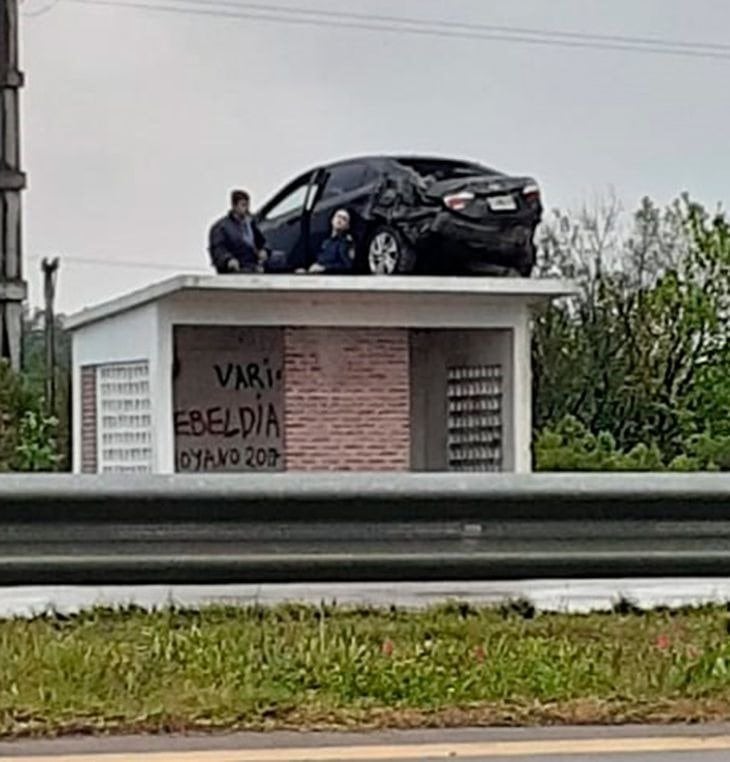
x=37, y=447
x=570, y=446
x=27, y=436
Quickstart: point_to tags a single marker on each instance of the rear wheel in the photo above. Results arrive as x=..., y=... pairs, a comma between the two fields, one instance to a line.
x=388, y=253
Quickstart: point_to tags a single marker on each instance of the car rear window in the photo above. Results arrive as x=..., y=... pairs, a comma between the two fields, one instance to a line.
x=445, y=170
x=344, y=179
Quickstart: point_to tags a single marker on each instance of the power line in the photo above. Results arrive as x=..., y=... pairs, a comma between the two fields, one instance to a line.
x=469, y=26
x=655, y=48
x=41, y=11
x=128, y=264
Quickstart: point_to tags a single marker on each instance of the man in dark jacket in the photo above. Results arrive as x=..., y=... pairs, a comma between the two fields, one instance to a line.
x=337, y=253
x=235, y=242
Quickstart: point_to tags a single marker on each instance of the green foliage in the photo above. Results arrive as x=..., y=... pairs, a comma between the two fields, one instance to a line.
x=708, y=399
x=37, y=447
x=570, y=446
x=643, y=352
x=704, y=452
x=34, y=370
x=27, y=436
x=15, y=399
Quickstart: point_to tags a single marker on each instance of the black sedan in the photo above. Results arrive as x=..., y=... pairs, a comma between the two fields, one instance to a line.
x=409, y=214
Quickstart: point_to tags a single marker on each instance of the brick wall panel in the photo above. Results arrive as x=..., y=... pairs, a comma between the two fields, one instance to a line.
x=88, y=420
x=347, y=399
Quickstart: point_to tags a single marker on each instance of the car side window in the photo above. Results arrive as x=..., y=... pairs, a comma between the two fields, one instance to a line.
x=293, y=201
x=344, y=178
x=372, y=173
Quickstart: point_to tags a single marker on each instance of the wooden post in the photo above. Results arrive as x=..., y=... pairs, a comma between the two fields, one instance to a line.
x=50, y=270
x=12, y=181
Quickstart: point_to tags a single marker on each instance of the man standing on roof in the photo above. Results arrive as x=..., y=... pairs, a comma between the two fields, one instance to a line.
x=235, y=242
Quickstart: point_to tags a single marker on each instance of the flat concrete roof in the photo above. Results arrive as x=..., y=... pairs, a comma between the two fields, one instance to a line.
x=530, y=289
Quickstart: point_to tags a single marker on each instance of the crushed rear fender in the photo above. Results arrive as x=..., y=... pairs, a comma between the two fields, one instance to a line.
x=401, y=201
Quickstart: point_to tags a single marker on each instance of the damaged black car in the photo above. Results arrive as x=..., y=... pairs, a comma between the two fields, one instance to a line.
x=409, y=215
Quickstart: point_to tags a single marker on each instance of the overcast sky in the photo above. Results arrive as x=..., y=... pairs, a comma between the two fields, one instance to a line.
x=138, y=122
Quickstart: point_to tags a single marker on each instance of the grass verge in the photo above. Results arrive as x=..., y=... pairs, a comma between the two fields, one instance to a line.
x=328, y=667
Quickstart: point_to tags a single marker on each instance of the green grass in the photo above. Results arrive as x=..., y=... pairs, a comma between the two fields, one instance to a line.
x=296, y=666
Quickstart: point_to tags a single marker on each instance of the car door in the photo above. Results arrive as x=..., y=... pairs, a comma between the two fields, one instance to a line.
x=282, y=220
x=348, y=185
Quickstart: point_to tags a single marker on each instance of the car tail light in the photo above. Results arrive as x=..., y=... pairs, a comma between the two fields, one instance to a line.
x=458, y=201
x=531, y=192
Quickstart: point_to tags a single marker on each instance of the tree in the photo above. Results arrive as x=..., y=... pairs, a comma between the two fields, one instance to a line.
x=642, y=352
x=28, y=435
x=14, y=401
x=34, y=369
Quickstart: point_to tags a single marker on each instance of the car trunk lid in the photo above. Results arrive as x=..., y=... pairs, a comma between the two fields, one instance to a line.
x=482, y=195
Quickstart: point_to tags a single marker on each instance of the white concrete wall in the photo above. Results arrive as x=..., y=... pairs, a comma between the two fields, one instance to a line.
x=412, y=309
x=127, y=337
x=522, y=391
x=165, y=431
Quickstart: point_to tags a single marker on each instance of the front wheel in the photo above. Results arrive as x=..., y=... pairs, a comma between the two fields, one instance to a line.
x=388, y=253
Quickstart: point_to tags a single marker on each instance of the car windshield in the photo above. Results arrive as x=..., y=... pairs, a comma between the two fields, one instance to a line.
x=441, y=169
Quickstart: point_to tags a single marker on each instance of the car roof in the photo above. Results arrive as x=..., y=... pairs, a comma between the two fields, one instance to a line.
x=399, y=158
x=374, y=158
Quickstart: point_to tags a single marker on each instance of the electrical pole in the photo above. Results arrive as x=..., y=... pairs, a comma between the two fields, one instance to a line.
x=50, y=271
x=13, y=288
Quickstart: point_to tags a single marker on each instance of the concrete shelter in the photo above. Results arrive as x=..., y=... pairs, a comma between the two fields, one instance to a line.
x=303, y=373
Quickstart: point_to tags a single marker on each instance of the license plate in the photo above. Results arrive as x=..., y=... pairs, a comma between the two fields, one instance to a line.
x=502, y=203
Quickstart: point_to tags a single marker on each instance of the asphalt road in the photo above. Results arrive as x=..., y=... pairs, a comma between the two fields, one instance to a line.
x=629, y=744
x=547, y=595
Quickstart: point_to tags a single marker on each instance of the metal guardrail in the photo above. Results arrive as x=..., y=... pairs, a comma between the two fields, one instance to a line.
x=360, y=527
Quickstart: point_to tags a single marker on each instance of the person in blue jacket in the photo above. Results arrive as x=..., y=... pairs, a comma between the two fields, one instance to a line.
x=337, y=253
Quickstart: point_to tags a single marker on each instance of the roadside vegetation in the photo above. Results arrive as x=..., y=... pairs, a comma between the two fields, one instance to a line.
x=634, y=372
x=317, y=667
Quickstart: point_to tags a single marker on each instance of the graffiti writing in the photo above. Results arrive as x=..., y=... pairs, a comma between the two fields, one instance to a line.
x=225, y=458
x=229, y=399
x=252, y=375
x=244, y=422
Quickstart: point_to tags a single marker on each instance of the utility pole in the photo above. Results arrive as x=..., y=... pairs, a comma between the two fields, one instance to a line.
x=50, y=271
x=13, y=288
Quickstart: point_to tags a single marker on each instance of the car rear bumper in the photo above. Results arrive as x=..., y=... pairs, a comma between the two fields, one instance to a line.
x=499, y=237
x=479, y=247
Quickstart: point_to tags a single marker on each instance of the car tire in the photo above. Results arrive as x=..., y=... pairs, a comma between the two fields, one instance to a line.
x=388, y=254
